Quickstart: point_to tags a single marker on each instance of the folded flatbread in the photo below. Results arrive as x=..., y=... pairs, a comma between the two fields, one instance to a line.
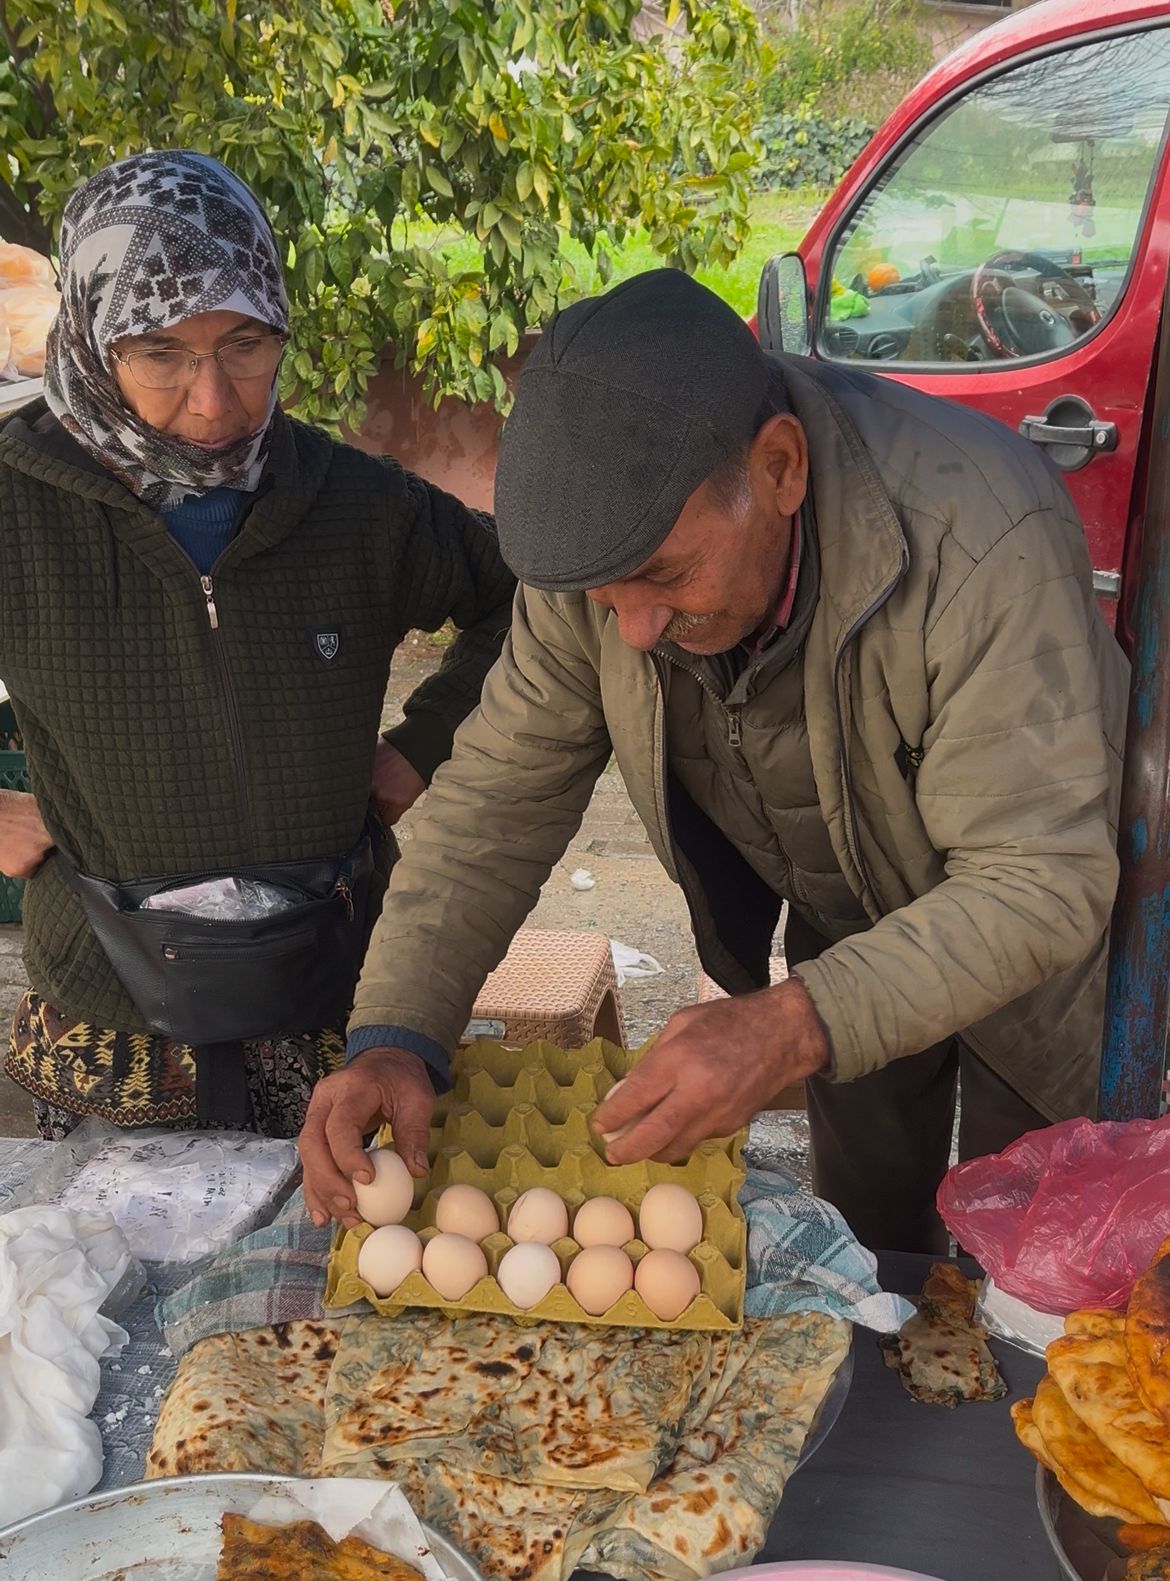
x=941, y=1353
x=1093, y=1377
x=554, y=1404
x=1106, y=1486
x=1095, y=1321
x=302, y=1551
x=247, y=1402
x=729, y=1453
x=1147, y=1336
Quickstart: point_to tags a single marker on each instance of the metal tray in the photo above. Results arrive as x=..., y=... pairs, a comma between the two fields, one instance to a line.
x=1086, y=1546
x=830, y=1408
x=154, y=1531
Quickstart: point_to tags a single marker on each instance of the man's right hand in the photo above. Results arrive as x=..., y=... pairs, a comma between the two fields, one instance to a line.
x=383, y=1084
x=24, y=840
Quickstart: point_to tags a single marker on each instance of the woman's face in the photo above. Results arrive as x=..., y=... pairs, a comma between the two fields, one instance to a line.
x=207, y=408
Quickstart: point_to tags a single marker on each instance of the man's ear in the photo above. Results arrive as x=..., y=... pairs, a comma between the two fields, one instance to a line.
x=778, y=462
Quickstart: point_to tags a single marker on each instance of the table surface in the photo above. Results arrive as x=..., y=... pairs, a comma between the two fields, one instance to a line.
x=947, y=1493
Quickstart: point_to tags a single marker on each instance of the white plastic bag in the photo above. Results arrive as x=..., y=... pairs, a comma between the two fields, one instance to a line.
x=176, y=1195
x=629, y=963
x=224, y=900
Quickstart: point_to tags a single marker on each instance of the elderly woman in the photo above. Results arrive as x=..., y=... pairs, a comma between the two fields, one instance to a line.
x=200, y=599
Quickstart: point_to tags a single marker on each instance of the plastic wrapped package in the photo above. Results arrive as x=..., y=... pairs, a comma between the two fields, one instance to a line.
x=28, y=311
x=22, y=266
x=225, y=900
x=1066, y=1217
x=177, y=1196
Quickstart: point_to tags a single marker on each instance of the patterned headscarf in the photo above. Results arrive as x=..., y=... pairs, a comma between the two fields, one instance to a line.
x=146, y=243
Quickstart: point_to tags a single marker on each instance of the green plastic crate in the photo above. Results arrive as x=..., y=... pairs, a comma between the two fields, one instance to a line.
x=13, y=776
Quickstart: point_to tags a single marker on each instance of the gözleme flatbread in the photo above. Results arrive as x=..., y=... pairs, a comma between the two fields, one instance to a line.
x=302, y=1551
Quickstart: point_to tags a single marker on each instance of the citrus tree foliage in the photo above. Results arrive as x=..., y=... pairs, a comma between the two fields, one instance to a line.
x=421, y=161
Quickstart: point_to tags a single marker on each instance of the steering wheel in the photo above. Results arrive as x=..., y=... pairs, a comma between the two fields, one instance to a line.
x=1014, y=321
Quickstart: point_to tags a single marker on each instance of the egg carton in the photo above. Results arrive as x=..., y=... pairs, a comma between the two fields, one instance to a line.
x=518, y=1118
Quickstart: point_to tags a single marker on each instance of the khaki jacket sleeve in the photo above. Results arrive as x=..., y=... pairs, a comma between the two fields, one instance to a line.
x=1014, y=786
x=497, y=818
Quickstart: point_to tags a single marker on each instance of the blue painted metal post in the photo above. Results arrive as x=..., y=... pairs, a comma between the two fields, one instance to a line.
x=1137, y=1004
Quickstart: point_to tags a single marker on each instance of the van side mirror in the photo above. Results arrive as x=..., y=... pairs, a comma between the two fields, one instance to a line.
x=782, y=310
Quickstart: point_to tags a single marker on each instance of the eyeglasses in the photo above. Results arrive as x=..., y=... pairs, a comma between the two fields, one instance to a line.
x=172, y=367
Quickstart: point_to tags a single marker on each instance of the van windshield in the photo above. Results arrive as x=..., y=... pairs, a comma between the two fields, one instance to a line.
x=1006, y=226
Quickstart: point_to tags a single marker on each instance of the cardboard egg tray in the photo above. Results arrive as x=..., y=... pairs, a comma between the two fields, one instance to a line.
x=518, y=1118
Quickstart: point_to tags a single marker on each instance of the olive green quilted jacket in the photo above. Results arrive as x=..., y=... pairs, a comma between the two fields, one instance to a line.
x=175, y=724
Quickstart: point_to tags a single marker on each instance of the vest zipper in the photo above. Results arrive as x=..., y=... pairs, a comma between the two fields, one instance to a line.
x=235, y=733
x=731, y=711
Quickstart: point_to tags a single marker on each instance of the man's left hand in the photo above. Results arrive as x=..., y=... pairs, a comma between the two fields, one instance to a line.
x=396, y=786
x=713, y=1068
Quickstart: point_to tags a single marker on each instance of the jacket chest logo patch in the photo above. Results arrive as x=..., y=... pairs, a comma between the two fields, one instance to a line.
x=327, y=645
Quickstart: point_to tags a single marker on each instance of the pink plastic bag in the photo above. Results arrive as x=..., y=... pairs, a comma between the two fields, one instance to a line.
x=1066, y=1217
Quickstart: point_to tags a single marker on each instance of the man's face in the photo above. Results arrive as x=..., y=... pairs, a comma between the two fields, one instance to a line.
x=718, y=574
x=208, y=409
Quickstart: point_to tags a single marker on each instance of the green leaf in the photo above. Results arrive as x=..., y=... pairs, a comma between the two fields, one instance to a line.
x=438, y=182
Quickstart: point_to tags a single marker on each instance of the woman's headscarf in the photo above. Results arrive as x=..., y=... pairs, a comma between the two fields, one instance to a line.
x=145, y=243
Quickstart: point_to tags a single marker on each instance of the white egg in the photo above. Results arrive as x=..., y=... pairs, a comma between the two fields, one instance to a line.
x=670, y=1219
x=465, y=1210
x=599, y=1276
x=452, y=1264
x=603, y=1221
x=538, y=1215
x=387, y=1257
x=667, y=1282
x=388, y=1197
x=527, y=1273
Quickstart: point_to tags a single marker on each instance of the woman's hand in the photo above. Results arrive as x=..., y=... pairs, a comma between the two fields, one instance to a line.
x=24, y=840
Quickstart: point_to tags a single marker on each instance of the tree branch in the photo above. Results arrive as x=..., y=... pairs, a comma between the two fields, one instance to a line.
x=21, y=225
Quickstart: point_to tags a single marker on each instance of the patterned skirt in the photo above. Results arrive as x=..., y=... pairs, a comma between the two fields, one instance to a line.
x=141, y=1078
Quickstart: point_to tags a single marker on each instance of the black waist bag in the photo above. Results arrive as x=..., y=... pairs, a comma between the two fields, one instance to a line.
x=201, y=981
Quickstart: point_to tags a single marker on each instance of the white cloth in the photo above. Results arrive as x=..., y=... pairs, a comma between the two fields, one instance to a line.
x=56, y=1270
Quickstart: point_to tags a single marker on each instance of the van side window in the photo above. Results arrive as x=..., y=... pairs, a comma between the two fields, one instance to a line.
x=1005, y=227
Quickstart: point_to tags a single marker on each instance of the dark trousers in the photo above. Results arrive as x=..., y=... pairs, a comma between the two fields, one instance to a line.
x=881, y=1144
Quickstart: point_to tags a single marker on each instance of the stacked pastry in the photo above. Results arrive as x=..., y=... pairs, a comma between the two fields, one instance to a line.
x=1100, y=1419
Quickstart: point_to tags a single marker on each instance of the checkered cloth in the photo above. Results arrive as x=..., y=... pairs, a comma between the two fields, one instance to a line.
x=801, y=1258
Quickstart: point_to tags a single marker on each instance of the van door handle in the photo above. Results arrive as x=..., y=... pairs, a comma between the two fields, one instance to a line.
x=1069, y=430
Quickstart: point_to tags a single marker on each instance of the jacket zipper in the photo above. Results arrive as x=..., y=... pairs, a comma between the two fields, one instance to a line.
x=680, y=867
x=233, y=718
x=731, y=711
x=846, y=780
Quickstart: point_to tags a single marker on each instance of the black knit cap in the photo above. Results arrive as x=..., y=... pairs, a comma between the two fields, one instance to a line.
x=628, y=402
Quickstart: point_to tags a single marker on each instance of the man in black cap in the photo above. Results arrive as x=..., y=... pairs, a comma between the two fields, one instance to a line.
x=842, y=640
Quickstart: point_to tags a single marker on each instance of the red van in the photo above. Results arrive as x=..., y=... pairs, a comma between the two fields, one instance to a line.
x=1003, y=241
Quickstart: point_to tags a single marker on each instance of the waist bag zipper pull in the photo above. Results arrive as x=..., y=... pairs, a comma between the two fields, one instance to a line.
x=346, y=894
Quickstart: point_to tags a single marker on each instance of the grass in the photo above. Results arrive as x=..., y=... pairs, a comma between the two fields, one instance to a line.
x=778, y=221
